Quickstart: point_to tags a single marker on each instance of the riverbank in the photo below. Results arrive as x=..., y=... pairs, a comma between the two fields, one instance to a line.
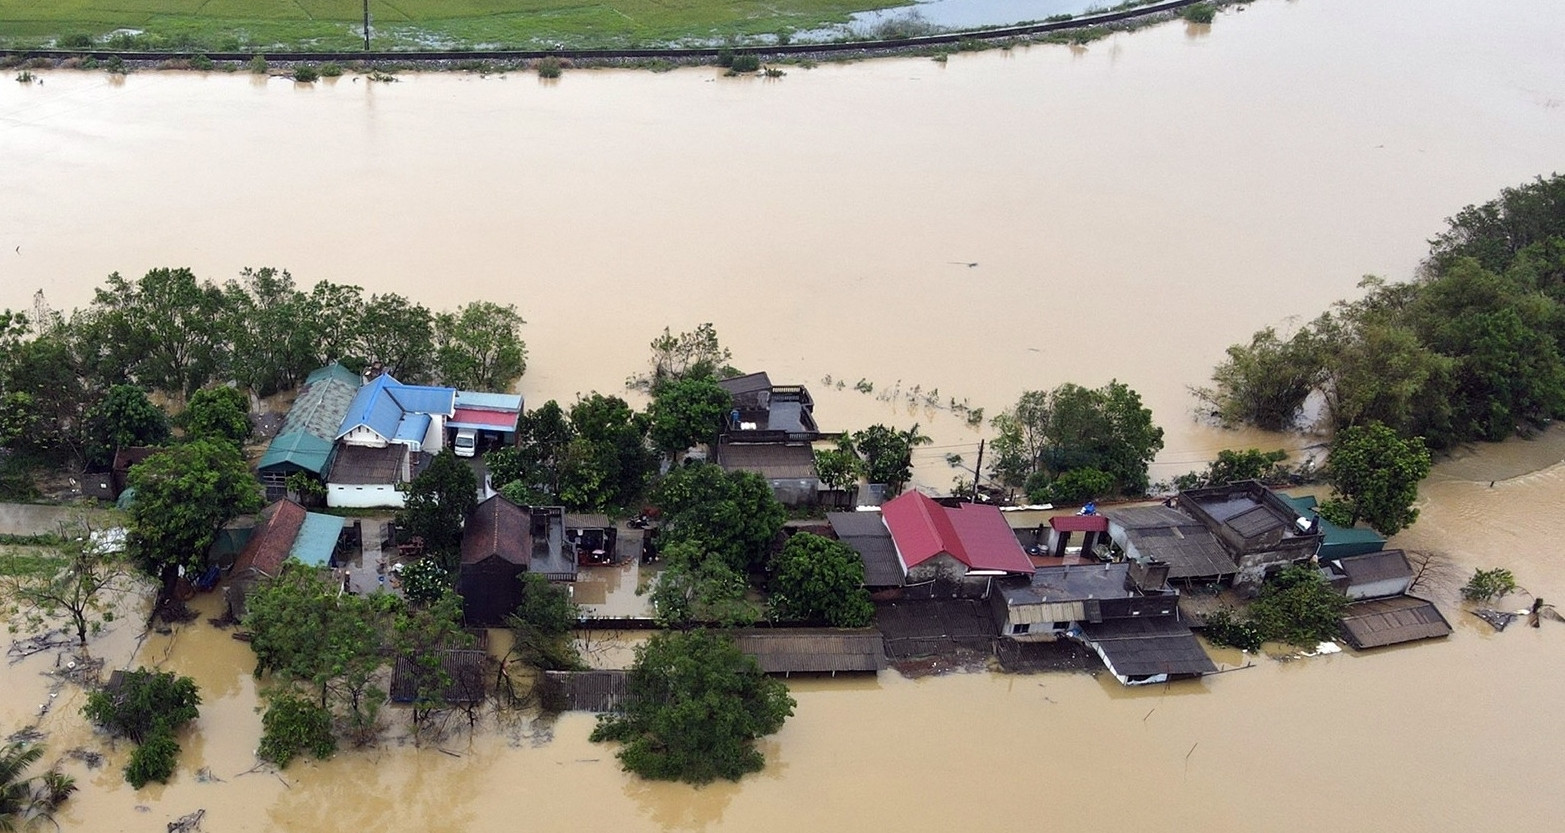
x=892, y=41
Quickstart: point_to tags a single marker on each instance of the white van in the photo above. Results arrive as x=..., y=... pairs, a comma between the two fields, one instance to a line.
x=466, y=442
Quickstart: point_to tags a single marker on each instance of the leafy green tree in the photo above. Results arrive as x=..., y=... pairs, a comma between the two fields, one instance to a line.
x=49, y=368
x=607, y=463
x=1375, y=476
x=537, y=461
x=817, y=578
x=80, y=586
x=124, y=418
x=888, y=454
x=184, y=495
x=1297, y=606
x=330, y=316
x=479, y=347
x=1497, y=231
x=686, y=355
x=293, y=725
x=148, y=707
x=1233, y=465
x=26, y=801
x=730, y=514
x=697, y=586
x=304, y=631
x=421, y=635
x=425, y=581
x=840, y=467
x=1072, y=487
x=696, y=707
x=217, y=413
x=1265, y=382
x=1072, y=427
x=264, y=314
x=164, y=330
x=687, y=411
x=438, y=502
x=399, y=334
x=1489, y=584
x=542, y=625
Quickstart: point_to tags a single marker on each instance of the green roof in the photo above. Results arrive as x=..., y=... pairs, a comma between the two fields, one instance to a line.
x=322, y=402
x=335, y=370
x=1338, y=541
x=298, y=448
x=317, y=539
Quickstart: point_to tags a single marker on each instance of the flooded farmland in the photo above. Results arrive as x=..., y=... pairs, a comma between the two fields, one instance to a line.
x=1130, y=208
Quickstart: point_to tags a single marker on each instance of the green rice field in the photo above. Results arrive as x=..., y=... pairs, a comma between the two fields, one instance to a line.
x=235, y=25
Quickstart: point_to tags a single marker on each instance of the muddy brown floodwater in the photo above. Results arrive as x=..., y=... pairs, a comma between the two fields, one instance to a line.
x=1132, y=207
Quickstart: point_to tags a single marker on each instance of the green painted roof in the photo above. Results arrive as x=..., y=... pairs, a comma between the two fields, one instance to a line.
x=322, y=402
x=335, y=370
x=317, y=539
x=1338, y=541
x=301, y=449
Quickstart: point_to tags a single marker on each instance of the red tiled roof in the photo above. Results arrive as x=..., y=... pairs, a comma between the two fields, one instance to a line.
x=975, y=535
x=275, y=531
x=497, y=527
x=1079, y=523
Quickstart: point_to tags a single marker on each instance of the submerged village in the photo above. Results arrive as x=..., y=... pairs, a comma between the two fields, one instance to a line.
x=353, y=488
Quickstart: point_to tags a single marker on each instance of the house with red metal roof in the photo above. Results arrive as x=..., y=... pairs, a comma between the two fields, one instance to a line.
x=952, y=543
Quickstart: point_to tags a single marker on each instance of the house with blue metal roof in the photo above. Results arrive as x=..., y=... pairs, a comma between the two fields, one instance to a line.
x=385, y=411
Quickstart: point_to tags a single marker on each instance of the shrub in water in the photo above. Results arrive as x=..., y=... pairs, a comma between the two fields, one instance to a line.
x=258, y=65
x=550, y=67
x=1489, y=584
x=305, y=73
x=1200, y=13
x=331, y=69
x=201, y=62
x=153, y=760
x=293, y=725
x=746, y=63
x=725, y=57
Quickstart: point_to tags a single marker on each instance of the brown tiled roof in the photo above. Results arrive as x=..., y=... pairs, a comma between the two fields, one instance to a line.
x=593, y=691
x=358, y=465
x=497, y=527
x=771, y=461
x=814, y=650
x=465, y=667
x=1378, y=622
x=276, y=528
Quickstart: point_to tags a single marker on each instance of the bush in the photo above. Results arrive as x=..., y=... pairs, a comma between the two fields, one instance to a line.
x=201, y=62
x=1297, y=606
x=331, y=69
x=550, y=67
x=75, y=40
x=305, y=74
x=746, y=63
x=293, y=725
x=145, y=703
x=1200, y=13
x=725, y=57
x=1489, y=584
x=153, y=760
x=258, y=65
x=1223, y=628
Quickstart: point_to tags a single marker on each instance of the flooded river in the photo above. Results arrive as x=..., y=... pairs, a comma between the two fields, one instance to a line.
x=1129, y=208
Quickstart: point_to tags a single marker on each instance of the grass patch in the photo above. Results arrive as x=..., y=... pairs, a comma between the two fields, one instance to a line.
x=30, y=563
x=230, y=25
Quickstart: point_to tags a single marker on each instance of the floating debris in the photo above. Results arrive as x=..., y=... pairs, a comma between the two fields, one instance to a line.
x=1497, y=618
x=190, y=823
x=92, y=759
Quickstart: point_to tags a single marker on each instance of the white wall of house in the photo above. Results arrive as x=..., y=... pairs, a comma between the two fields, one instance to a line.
x=364, y=497
x=1377, y=589
x=365, y=436
x=435, y=440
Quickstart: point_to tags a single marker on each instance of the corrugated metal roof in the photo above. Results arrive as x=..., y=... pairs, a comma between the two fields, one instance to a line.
x=298, y=448
x=381, y=405
x=1079, y=523
x=773, y=462
x=317, y=539
x=866, y=533
x=1379, y=622
x=1376, y=566
x=593, y=691
x=1144, y=517
x=1191, y=553
x=748, y=383
x=413, y=428
x=975, y=535
x=814, y=650
x=1337, y=541
x=1254, y=522
x=1148, y=647
x=484, y=419
x=489, y=401
x=334, y=371
x=465, y=667
x=322, y=402
x=357, y=465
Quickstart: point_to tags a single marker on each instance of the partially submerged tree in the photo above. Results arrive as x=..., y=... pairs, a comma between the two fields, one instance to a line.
x=26, y=801
x=888, y=454
x=839, y=467
x=697, y=705
x=147, y=707
x=1298, y=606
x=1046, y=435
x=686, y=355
x=542, y=624
x=81, y=585
x=1375, y=475
x=817, y=578
x=607, y=464
x=292, y=726
x=1489, y=584
x=733, y=515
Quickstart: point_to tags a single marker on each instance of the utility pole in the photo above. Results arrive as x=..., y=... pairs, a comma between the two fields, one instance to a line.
x=366, y=25
x=978, y=470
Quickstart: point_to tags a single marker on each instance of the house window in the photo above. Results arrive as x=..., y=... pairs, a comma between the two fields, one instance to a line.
x=1022, y=628
x=1060, y=626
